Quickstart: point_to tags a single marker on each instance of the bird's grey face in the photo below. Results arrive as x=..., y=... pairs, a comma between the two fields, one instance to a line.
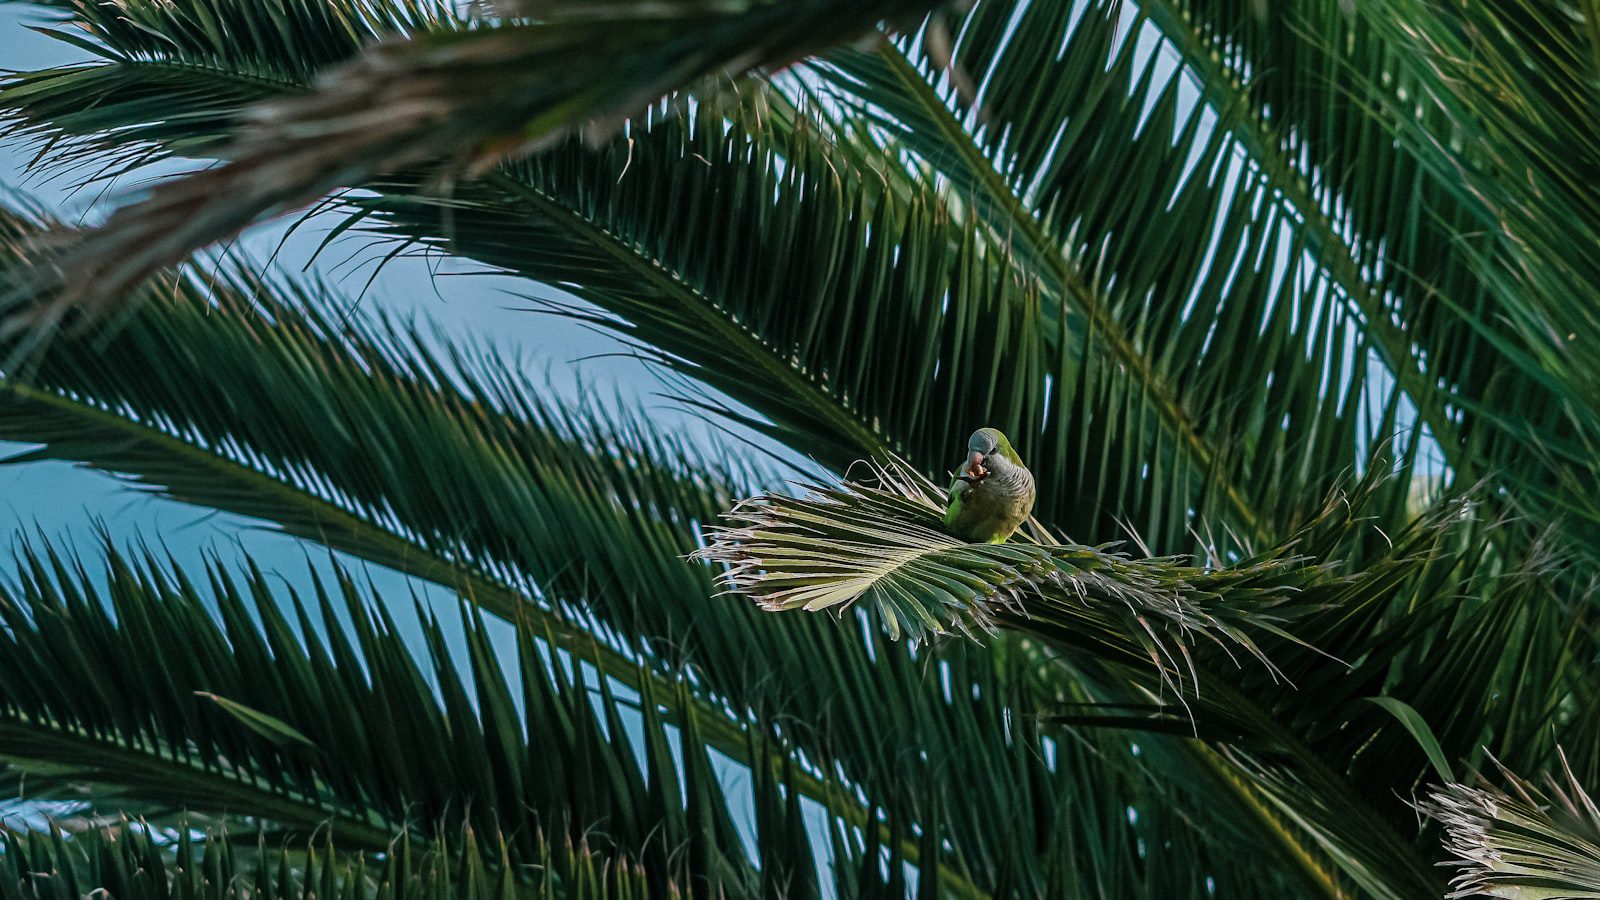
x=980, y=449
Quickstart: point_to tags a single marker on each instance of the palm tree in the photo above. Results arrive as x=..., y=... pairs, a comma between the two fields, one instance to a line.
x=1299, y=295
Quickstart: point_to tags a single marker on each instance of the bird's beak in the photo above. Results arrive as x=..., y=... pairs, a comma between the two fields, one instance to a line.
x=975, y=467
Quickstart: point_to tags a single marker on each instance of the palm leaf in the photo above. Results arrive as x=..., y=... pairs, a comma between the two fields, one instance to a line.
x=1161, y=258
x=841, y=299
x=1521, y=840
x=1480, y=647
x=648, y=256
x=1294, y=108
x=886, y=548
x=470, y=96
x=205, y=449
x=386, y=743
x=989, y=830
x=135, y=861
x=542, y=484
x=1320, y=91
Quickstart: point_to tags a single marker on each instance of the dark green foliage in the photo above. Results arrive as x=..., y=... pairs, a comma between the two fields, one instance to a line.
x=1160, y=626
x=1211, y=264
x=384, y=742
x=467, y=96
x=567, y=491
x=135, y=861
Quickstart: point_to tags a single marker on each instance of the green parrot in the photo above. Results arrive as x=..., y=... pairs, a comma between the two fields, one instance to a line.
x=993, y=493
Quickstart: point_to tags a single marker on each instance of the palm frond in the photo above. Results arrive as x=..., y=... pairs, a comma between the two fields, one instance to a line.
x=1391, y=610
x=257, y=445
x=940, y=737
x=593, y=222
x=470, y=97
x=876, y=231
x=149, y=422
x=243, y=39
x=132, y=860
x=153, y=401
x=882, y=544
x=882, y=304
x=1020, y=145
x=1172, y=258
x=386, y=741
x=1520, y=840
x=1540, y=73
x=1318, y=92
x=885, y=547
x=218, y=59
x=1286, y=112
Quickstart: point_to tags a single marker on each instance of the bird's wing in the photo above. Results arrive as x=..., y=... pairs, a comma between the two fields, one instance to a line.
x=957, y=488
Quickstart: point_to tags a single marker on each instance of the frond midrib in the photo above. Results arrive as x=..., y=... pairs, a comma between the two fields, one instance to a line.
x=493, y=596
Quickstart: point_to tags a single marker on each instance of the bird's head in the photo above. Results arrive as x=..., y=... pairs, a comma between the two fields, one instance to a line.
x=987, y=451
